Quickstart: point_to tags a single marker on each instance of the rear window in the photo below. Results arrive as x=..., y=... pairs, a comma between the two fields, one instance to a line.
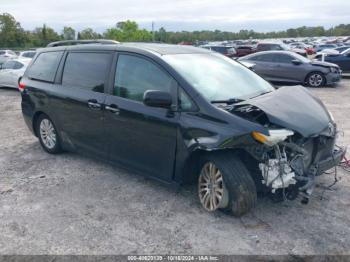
x=45, y=66
x=9, y=65
x=28, y=54
x=86, y=70
x=267, y=47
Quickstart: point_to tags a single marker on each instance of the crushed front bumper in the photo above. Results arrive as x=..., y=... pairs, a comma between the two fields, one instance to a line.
x=333, y=77
x=331, y=161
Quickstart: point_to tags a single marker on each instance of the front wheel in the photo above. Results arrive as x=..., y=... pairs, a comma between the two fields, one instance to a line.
x=315, y=79
x=48, y=135
x=224, y=183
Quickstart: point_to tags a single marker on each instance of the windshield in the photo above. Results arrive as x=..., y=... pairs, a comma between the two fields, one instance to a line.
x=345, y=52
x=216, y=77
x=301, y=58
x=285, y=47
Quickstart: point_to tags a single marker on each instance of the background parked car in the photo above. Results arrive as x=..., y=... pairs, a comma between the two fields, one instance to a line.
x=27, y=54
x=11, y=71
x=325, y=46
x=342, y=48
x=6, y=55
x=228, y=51
x=342, y=60
x=300, y=45
x=244, y=50
x=286, y=66
x=278, y=47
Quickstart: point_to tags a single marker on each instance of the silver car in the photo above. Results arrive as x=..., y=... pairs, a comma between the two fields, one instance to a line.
x=286, y=66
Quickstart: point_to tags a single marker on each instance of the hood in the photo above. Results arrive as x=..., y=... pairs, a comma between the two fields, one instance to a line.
x=329, y=52
x=323, y=64
x=294, y=108
x=298, y=50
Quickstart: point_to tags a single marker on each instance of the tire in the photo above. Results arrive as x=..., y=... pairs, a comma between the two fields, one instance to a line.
x=47, y=134
x=315, y=79
x=239, y=194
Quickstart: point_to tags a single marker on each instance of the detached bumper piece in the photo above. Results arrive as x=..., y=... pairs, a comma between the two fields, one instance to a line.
x=332, y=161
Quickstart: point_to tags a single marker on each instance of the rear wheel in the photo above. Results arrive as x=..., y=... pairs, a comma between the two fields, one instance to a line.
x=315, y=79
x=224, y=183
x=47, y=134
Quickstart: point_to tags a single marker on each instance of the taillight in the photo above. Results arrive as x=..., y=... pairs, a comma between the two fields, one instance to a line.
x=21, y=86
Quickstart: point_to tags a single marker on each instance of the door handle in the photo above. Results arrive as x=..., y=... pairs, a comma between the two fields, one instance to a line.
x=94, y=105
x=113, y=109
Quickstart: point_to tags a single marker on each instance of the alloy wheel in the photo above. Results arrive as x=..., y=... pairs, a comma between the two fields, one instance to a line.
x=211, y=188
x=48, y=133
x=315, y=80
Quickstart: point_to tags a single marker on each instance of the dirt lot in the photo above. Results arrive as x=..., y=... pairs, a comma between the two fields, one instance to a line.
x=70, y=204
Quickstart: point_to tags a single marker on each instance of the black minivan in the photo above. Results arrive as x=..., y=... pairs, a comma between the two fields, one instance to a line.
x=180, y=114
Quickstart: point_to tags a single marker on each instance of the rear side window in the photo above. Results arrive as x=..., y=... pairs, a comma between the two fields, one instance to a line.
x=9, y=65
x=86, y=70
x=135, y=75
x=18, y=65
x=2, y=52
x=45, y=66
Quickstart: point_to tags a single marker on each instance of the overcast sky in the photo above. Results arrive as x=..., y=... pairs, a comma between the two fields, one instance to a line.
x=177, y=15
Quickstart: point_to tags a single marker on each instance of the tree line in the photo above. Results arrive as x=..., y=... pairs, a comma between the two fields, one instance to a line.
x=12, y=35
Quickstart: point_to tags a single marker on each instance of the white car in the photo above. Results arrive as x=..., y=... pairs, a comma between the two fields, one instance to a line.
x=322, y=54
x=11, y=71
x=6, y=55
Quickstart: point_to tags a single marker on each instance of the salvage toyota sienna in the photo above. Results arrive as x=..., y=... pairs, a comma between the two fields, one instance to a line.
x=180, y=114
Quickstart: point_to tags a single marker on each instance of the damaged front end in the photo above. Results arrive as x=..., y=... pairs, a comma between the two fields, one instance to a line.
x=295, y=151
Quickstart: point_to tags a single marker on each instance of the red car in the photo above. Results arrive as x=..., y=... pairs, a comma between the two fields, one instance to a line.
x=244, y=50
x=279, y=47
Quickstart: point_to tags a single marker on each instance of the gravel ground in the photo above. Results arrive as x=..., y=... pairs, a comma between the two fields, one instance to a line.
x=71, y=204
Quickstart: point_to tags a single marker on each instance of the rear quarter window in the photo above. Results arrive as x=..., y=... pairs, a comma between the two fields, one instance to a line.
x=45, y=66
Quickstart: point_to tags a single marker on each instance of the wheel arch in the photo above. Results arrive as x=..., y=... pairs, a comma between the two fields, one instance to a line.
x=193, y=163
x=312, y=72
x=35, y=119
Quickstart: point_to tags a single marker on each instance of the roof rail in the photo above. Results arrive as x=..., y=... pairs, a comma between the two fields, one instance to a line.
x=82, y=42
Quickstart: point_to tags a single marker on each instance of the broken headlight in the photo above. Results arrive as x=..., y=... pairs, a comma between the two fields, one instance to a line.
x=275, y=136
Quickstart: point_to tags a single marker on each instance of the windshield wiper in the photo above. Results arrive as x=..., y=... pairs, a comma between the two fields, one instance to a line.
x=227, y=101
x=260, y=94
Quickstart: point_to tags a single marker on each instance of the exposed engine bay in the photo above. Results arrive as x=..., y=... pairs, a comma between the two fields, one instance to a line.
x=300, y=144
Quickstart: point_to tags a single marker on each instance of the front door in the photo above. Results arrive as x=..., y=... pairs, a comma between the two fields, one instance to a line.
x=286, y=70
x=140, y=136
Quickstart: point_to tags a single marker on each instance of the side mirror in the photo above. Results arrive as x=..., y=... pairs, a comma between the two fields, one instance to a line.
x=156, y=98
x=296, y=62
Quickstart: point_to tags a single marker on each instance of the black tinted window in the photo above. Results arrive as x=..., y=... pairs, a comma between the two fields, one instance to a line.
x=2, y=52
x=28, y=54
x=267, y=47
x=86, y=70
x=45, y=66
x=136, y=75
